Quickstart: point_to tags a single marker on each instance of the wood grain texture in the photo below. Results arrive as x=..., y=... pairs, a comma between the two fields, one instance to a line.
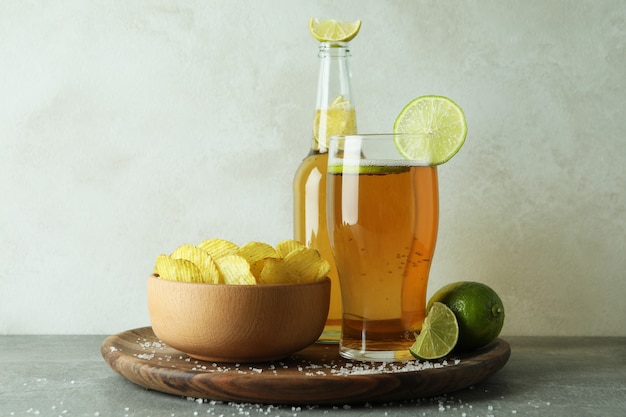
x=315, y=375
x=271, y=321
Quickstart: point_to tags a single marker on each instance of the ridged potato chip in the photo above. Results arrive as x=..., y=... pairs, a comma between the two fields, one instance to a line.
x=285, y=247
x=305, y=265
x=256, y=253
x=219, y=261
x=274, y=271
x=324, y=269
x=218, y=247
x=202, y=259
x=234, y=269
x=177, y=269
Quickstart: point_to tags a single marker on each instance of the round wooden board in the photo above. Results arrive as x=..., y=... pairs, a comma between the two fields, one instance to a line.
x=315, y=375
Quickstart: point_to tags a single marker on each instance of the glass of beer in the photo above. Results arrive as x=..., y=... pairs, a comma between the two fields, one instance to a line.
x=382, y=214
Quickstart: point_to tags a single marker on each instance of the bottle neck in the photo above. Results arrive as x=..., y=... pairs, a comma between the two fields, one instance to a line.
x=334, y=110
x=334, y=74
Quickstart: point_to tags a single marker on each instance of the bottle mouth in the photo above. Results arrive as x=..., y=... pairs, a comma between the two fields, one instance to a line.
x=334, y=44
x=334, y=49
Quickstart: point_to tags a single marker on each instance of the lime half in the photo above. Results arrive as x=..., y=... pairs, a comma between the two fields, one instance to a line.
x=437, y=126
x=439, y=334
x=331, y=30
x=478, y=309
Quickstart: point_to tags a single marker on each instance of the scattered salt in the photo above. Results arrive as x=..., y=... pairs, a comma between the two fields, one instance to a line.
x=146, y=356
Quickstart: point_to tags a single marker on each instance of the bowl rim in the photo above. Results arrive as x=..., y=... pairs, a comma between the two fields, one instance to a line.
x=326, y=279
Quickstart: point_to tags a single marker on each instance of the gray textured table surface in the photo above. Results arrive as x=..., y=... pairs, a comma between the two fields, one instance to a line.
x=545, y=376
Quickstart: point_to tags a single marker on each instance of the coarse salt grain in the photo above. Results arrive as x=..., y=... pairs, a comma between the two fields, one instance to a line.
x=146, y=356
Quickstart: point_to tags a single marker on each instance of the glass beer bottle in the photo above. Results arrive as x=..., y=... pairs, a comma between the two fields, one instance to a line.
x=334, y=115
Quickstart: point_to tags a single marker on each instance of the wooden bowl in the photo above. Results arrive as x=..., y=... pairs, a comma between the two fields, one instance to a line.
x=237, y=323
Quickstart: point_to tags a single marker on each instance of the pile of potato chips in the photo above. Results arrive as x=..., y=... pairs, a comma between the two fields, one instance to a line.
x=219, y=261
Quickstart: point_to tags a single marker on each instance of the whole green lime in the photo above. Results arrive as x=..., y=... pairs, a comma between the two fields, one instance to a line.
x=478, y=310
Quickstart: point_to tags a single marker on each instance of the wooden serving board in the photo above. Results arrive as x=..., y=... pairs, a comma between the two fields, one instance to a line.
x=315, y=375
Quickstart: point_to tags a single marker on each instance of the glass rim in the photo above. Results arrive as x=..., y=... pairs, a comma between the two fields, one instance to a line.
x=371, y=135
x=360, y=149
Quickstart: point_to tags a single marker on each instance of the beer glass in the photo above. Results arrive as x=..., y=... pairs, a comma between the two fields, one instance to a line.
x=382, y=214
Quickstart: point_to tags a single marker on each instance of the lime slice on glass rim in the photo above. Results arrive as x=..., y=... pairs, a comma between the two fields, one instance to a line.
x=437, y=126
x=331, y=30
x=439, y=334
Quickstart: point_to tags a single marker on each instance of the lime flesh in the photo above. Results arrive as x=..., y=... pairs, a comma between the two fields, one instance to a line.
x=439, y=334
x=437, y=126
x=331, y=30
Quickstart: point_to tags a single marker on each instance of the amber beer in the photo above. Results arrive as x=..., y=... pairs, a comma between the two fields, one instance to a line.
x=309, y=187
x=383, y=219
x=335, y=114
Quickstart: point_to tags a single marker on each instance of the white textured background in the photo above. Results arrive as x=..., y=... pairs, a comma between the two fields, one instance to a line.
x=128, y=128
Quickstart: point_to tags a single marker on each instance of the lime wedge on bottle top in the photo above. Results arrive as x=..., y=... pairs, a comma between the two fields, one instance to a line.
x=437, y=126
x=331, y=30
x=439, y=334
